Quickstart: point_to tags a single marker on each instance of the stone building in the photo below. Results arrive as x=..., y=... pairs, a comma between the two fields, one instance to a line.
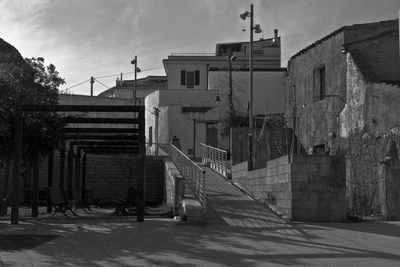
x=347, y=80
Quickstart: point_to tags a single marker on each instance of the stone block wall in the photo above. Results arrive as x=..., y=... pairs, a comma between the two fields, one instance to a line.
x=318, y=188
x=305, y=188
x=174, y=187
x=272, y=182
x=107, y=176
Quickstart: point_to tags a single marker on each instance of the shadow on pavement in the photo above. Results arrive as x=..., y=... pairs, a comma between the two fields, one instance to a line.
x=374, y=227
x=167, y=243
x=16, y=242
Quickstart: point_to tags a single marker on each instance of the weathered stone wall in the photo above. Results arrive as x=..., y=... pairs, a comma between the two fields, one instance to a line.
x=352, y=115
x=364, y=161
x=382, y=111
x=307, y=188
x=389, y=189
x=316, y=119
x=373, y=105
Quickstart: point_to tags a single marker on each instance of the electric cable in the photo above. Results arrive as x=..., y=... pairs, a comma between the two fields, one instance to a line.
x=77, y=84
x=130, y=72
x=103, y=84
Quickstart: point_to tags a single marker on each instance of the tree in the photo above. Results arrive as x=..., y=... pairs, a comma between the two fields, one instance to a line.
x=47, y=76
x=26, y=83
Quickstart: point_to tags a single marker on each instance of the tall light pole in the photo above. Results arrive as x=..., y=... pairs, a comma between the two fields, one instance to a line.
x=134, y=63
x=256, y=29
x=231, y=58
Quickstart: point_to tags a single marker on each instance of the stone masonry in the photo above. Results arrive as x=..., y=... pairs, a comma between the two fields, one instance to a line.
x=305, y=188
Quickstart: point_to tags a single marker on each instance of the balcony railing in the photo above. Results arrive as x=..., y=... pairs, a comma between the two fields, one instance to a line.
x=218, y=159
x=193, y=174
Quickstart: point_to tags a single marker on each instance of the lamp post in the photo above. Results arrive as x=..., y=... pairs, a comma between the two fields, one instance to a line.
x=231, y=58
x=256, y=29
x=134, y=62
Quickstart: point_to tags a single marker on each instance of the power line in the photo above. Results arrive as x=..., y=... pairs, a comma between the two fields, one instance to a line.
x=102, y=84
x=111, y=75
x=117, y=74
x=77, y=84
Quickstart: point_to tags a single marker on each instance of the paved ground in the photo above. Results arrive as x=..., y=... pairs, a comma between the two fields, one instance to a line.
x=161, y=242
x=237, y=232
x=228, y=205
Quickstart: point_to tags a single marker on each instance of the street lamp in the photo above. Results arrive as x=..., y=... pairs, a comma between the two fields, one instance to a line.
x=256, y=29
x=231, y=58
x=134, y=62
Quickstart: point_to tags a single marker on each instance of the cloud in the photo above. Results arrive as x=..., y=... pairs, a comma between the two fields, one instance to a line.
x=100, y=37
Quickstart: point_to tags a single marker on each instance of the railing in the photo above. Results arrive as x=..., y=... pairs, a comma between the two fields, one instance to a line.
x=193, y=174
x=218, y=159
x=193, y=54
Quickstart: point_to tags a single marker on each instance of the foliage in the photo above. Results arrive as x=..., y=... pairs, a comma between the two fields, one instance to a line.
x=271, y=139
x=46, y=76
x=20, y=87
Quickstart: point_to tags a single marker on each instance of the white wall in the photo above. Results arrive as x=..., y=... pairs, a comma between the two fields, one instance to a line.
x=174, y=74
x=172, y=122
x=268, y=90
x=127, y=92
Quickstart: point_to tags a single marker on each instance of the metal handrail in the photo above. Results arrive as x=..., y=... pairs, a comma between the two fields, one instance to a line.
x=217, y=159
x=193, y=174
x=193, y=54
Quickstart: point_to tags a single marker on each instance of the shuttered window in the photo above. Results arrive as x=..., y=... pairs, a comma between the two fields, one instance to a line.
x=190, y=79
x=197, y=77
x=183, y=77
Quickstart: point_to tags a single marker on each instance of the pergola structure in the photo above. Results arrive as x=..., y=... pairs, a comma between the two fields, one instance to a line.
x=116, y=138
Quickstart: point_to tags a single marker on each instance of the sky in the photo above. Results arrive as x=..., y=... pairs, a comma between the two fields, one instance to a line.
x=85, y=38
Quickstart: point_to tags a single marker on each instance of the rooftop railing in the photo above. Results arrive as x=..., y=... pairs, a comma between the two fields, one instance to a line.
x=193, y=174
x=193, y=54
x=218, y=159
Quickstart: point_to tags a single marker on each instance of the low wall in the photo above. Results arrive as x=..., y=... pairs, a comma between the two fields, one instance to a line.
x=179, y=195
x=107, y=176
x=174, y=186
x=305, y=188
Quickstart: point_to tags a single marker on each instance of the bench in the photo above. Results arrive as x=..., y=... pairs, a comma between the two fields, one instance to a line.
x=122, y=205
x=58, y=203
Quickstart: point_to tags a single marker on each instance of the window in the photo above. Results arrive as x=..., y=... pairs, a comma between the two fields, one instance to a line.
x=319, y=83
x=190, y=78
x=183, y=77
x=197, y=77
x=150, y=135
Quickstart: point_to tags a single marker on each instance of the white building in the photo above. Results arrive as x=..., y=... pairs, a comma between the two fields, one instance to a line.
x=191, y=70
x=144, y=87
x=189, y=110
x=189, y=115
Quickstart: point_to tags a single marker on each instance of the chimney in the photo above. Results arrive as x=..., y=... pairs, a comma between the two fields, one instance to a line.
x=276, y=34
